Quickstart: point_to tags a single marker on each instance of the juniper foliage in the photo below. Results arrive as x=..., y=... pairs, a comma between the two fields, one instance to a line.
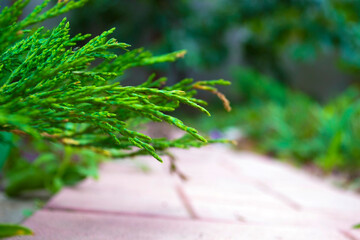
x=51, y=88
x=55, y=89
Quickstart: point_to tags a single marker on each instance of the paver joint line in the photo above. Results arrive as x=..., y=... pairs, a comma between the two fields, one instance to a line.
x=112, y=213
x=186, y=202
x=288, y=201
x=141, y=215
x=348, y=235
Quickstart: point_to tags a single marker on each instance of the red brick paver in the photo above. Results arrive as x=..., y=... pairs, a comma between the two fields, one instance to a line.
x=228, y=195
x=58, y=225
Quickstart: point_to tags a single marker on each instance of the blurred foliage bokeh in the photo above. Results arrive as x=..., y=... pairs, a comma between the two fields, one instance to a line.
x=288, y=124
x=262, y=31
x=265, y=36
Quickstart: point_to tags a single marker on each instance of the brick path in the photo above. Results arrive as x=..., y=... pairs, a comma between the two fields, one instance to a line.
x=229, y=195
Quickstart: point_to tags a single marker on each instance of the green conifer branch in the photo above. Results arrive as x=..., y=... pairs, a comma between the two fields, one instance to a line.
x=49, y=88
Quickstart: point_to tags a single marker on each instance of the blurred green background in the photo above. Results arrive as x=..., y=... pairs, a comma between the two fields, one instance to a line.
x=294, y=66
x=294, y=41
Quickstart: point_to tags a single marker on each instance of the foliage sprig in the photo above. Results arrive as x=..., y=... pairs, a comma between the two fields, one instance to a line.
x=51, y=88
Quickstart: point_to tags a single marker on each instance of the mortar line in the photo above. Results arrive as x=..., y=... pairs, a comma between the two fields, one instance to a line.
x=186, y=202
x=347, y=235
x=267, y=189
x=134, y=214
x=113, y=213
x=288, y=201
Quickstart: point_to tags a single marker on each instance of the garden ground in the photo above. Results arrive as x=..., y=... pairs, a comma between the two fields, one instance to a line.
x=227, y=195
